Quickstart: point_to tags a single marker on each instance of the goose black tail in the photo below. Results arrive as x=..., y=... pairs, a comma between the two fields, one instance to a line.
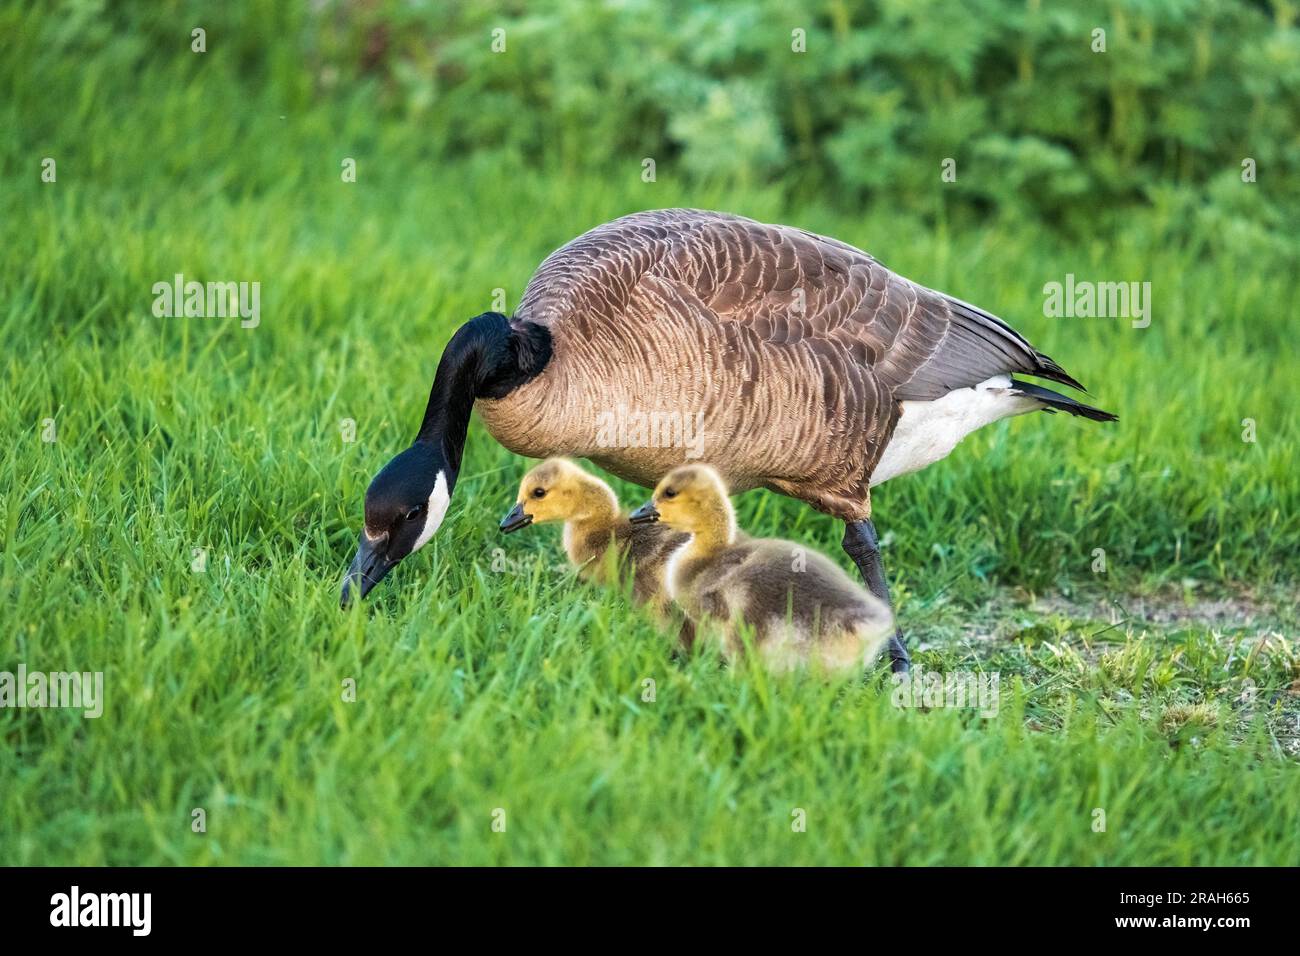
x=1045, y=367
x=1055, y=401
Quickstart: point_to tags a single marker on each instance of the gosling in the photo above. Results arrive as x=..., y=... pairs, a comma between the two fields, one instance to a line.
x=599, y=539
x=800, y=607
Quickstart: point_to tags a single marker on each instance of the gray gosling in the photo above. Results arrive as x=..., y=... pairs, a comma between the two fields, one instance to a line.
x=799, y=606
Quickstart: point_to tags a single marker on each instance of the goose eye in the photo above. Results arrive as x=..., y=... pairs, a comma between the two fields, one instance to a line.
x=670, y=493
x=539, y=492
x=414, y=512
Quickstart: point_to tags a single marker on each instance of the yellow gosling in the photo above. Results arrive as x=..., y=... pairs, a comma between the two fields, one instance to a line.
x=599, y=539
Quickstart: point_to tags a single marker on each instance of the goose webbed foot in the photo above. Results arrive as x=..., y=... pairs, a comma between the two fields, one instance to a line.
x=861, y=544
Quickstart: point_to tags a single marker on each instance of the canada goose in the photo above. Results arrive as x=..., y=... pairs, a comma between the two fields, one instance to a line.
x=800, y=606
x=812, y=369
x=558, y=490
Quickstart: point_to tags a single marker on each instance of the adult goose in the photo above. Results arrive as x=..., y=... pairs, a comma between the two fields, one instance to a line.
x=813, y=370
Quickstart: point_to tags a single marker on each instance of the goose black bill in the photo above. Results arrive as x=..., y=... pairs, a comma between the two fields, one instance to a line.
x=369, y=567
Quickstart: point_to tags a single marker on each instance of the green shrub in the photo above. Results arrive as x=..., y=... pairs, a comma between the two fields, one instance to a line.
x=1038, y=123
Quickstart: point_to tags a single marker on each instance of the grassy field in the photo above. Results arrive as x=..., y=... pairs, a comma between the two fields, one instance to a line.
x=1164, y=691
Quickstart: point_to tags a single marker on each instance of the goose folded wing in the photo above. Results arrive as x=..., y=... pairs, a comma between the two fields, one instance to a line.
x=791, y=286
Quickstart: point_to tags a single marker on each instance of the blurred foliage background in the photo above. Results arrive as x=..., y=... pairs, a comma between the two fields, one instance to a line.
x=1040, y=122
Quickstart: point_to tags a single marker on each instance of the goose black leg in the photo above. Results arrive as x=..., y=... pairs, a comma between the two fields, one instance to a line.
x=861, y=545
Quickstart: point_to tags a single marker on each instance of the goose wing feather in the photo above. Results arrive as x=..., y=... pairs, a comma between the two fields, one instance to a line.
x=789, y=286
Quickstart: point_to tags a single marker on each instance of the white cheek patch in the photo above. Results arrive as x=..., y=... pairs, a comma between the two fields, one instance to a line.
x=434, y=512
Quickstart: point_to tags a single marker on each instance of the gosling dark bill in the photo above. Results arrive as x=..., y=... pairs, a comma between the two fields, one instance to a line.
x=645, y=514
x=517, y=519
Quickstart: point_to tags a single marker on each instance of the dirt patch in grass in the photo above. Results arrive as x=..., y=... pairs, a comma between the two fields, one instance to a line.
x=1243, y=610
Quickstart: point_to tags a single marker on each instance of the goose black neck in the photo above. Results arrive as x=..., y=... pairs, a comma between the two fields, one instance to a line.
x=486, y=358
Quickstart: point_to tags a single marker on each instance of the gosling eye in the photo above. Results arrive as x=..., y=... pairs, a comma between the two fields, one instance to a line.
x=415, y=512
x=539, y=492
x=670, y=493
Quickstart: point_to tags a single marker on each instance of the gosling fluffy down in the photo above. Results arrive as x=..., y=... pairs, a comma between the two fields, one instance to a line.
x=558, y=490
x=800, y=607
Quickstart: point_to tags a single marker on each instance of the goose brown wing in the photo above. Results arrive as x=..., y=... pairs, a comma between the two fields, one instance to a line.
x=791, y=286
x=788, y=286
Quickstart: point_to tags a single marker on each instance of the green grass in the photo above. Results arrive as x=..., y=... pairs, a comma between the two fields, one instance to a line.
x=522, y=690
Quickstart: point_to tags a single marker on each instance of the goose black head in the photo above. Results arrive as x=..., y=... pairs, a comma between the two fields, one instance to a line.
x=405, y=504
x=488, y=357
